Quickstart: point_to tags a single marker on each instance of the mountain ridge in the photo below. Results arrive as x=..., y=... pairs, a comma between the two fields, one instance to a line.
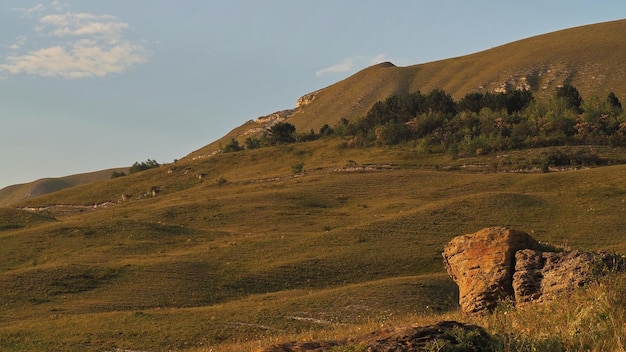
x=586, y=57
x=310, y=238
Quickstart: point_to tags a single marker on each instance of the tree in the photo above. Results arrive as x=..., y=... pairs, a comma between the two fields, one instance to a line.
x=253, y=142
x=440, y=101
x=117, y=174
x=471, y=102
x=326, y=131
x=570, y=95
x=614, y=102
x=232, y=146
x=144, y=165
x=517, y=100
x=282, y=132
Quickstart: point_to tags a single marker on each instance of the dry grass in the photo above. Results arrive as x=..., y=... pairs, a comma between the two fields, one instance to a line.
x=588, y=57
x=268, y=255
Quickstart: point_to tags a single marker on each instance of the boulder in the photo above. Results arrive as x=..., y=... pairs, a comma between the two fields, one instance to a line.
x=500, y=263
x=541, y=276
x=482, y=265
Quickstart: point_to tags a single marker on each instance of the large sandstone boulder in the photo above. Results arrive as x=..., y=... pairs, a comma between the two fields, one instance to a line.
x=499, y=263
x=482, y=265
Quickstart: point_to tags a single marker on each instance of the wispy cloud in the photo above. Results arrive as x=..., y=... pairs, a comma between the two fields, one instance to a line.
x=79, y=45
x=29, y=11
x=345, y=66
x=378, y=59
x=351, y=64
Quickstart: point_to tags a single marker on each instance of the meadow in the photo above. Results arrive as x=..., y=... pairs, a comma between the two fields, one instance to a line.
x=237, y=251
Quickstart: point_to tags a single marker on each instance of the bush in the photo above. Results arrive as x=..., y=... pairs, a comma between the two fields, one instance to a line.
x=232, y=146
x=297, y=169
x=117, y=174
x=141, y=166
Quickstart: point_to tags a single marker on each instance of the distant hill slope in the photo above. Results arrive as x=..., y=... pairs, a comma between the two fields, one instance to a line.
x=16, y=193
x=588, y=57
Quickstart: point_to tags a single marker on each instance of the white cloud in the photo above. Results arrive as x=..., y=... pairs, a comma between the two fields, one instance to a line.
x=345, y=66
x=19, y=42
x=79, y=45
x=378, y=59
x=351, y=63
x=29, y=11
x=80, y=24
x=85, y=58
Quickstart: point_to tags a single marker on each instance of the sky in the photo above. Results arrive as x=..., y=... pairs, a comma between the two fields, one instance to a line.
x=87, y=85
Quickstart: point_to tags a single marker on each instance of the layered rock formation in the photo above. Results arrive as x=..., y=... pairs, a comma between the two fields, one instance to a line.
x=499, y=263
x=482, y=265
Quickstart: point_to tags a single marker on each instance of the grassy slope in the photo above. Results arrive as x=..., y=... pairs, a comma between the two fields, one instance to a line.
x=17, y=193
x=589, y=57
x=268, y=253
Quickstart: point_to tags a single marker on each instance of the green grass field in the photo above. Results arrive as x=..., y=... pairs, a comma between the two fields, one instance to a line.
x=237, y=251
x=269, y=254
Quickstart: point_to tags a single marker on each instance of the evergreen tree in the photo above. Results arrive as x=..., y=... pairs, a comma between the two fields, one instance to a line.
x=571, y=96
x=612, y=99
x=282, y=132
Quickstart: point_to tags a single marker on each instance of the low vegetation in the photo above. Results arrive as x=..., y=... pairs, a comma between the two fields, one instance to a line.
x=337, y=231
x=475, y=125
x=353, y=242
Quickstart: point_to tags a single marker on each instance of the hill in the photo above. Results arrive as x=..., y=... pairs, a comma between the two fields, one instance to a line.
x=17, y=193
x=234, y=251
x=588, y=57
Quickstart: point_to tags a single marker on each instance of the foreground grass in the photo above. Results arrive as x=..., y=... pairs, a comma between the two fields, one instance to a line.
x=590, y=319
x=271, y=255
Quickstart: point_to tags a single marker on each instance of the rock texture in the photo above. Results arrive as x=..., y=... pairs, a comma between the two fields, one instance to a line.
x=482, y=265
x=541, y=276
x=499, y=263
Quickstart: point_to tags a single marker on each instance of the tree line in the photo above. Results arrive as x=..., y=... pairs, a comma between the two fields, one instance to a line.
x=478, y=123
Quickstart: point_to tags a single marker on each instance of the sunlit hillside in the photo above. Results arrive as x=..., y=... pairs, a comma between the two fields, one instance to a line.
x=320, y=239
x=588, y=57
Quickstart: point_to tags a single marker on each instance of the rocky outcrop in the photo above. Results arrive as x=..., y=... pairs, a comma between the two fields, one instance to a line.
x=543, y=275
x=274, y=118
x=482, y=265
x=500, y=263
x=307, y=99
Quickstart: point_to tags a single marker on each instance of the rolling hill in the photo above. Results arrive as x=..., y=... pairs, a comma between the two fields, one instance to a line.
x=235, y=251
x=588, y=57
x=17, y=193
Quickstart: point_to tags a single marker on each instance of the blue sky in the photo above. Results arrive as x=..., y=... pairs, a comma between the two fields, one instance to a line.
x=90, y=85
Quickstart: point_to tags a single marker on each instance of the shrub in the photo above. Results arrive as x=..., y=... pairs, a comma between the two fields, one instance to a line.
x=297, y=169
x=144, y=165
x=232, y=146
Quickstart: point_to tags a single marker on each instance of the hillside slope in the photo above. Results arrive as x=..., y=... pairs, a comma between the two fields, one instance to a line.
x=588, y=57
x=17, y=193
x=200, y=262
x=238, y=247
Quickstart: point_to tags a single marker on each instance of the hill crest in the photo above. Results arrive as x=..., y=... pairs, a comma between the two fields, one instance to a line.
x=588, y=57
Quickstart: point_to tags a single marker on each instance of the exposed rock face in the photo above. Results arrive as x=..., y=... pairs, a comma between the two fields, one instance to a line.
x=543, y=275
x=307, y=99
x=482, y=265
x=276, y=117
x=498, y=263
